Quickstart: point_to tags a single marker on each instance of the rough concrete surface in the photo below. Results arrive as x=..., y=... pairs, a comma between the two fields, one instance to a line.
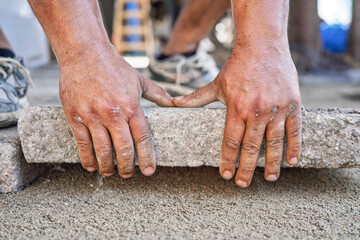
x=191, y=203
x=192, y=137
x=15, y=173
x=185, y=203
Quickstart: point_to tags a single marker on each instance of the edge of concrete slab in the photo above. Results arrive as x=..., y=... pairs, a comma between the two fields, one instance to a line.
x=15, y=172
x=192, y=137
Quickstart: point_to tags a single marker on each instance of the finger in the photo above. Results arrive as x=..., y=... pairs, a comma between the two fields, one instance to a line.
x=274, y=148
x=84, y=144
x=124, y=148
x=200, y=97
x=253, y=137
x=103, y=149
x=156, y=94
x=293, y=133
x=233, y=134
x=143, y=143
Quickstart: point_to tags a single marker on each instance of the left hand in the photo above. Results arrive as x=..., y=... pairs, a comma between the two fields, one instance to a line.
x=259, y=86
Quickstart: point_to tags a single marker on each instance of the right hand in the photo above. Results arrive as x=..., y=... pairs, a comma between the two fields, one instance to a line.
x=100, y=93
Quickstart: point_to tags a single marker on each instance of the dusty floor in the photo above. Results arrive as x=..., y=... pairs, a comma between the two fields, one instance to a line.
x=317, y=91
x=187, y=203
x=192, y=203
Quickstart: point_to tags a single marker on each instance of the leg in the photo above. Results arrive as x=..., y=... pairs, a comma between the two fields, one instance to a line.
x=4, y=43
x=194, y=24
x=14, y=80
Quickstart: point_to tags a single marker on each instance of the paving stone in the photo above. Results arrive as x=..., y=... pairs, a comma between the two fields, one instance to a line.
x=15, y=173
x=192, y=137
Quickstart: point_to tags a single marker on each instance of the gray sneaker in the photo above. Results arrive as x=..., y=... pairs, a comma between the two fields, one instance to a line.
x=14, y=82
x=181, y=75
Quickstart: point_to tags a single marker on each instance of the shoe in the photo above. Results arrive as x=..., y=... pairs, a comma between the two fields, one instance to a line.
x=14, y=83
x=180, y=75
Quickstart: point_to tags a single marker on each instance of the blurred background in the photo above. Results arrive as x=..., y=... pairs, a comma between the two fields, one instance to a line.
x=324, y=38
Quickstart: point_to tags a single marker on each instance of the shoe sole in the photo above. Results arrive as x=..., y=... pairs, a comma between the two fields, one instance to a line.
x=9, y=119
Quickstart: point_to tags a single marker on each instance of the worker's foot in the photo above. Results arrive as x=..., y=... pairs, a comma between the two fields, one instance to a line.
x=14, y=81
x=182, y=73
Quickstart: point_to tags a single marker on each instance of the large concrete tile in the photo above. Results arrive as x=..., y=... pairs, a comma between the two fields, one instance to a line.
x=15, y=173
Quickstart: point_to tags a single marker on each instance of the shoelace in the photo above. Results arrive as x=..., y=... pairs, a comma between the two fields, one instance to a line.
x=201, y=60
x=12, y=64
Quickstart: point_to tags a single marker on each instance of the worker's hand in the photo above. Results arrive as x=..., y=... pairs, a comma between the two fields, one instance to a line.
x=101, y=94
x=259, y=86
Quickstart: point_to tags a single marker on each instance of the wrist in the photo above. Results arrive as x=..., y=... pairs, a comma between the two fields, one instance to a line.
x=83, y=52
x=262, y=46
x=261, y=25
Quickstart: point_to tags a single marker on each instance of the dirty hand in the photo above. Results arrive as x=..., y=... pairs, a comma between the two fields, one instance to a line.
x=259, y=86
x=101, y=94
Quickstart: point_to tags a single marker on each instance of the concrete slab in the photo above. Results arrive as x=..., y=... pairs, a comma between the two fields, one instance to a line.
x=192, y=137
x=15, y=173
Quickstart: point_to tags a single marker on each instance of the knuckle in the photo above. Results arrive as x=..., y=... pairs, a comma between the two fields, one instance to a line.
x=144, y=139
x=250, y=148
x=246, y=171
x=262, y=108
x=115, y=111
x=275, y=160
x=275, y=143
x=295, y=133
x=132, y=108
x=70, y=114
x=83, y=145
x=111, y=111
x=238, y=109
x=294, y=105
x=274, y=110
x=231, y=143
x=103, y=151
x=126, y=153
x=87, y=117
x=260, y=105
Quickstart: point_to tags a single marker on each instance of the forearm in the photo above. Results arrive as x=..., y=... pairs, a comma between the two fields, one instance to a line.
x=260, y=22
x=72, y=27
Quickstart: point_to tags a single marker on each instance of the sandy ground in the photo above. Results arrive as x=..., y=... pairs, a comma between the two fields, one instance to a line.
x=191, y=203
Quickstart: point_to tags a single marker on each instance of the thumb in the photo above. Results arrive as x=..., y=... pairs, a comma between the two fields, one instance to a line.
x=199, y=98
x=156, y=94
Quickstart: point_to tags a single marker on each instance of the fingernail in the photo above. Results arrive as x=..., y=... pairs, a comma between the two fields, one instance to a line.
x=227, y=175
x=241, y=183
x=148, y=171
x=107, y=174
x=91, y=169
x=271, y=177
x=293, y=160
x=179, y=98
